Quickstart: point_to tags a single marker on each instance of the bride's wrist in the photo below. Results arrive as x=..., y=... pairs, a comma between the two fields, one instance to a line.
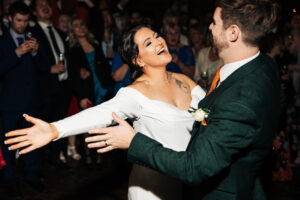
x=54, y=132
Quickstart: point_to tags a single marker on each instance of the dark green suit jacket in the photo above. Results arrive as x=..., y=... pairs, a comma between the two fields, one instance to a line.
x=223, y=159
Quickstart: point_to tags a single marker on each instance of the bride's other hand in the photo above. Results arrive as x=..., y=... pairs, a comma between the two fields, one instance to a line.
x=40, y=134
x=111, y=138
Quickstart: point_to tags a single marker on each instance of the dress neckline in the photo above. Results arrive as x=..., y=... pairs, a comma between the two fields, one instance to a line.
x=156, y=100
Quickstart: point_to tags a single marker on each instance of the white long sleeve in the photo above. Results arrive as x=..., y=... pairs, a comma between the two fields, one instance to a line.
x=123, y=104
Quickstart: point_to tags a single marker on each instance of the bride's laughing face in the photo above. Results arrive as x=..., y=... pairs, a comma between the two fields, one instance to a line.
x=153, y=50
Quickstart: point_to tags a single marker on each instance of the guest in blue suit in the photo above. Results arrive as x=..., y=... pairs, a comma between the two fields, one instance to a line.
x=19, y=69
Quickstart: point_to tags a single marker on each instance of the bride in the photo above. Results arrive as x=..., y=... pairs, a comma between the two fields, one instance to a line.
x=157, y=102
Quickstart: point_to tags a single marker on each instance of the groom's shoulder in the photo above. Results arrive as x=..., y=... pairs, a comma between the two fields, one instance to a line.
x=267, y=70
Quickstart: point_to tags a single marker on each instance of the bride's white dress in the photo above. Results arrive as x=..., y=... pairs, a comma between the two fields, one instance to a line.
x=158, y=120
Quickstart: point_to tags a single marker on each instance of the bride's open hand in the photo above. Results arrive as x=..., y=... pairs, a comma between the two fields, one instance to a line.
x=40, y=134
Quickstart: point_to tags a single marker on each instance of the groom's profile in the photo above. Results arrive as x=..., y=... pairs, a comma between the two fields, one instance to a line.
x=224, y=157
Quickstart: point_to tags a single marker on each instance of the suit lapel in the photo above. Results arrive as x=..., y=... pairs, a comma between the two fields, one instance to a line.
x=10, y=40
x=235, y=77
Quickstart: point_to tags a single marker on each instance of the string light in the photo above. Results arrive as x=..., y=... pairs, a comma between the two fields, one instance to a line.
x=294, y=10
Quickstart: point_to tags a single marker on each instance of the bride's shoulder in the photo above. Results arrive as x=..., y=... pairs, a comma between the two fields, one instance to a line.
x=138, y=85
x=184, y=79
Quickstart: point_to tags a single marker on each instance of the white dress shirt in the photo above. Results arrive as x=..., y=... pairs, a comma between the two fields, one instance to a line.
x=228, y=69
x=60, y=44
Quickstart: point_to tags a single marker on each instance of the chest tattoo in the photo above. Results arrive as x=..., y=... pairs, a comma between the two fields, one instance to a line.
x=182, y=86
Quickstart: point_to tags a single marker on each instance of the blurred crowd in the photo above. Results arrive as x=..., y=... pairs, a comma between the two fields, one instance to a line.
x=55, y=62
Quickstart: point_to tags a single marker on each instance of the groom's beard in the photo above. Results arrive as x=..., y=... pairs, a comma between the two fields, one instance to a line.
x=219, y=43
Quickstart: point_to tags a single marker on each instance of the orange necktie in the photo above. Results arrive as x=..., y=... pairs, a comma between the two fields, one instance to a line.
x=215, y=81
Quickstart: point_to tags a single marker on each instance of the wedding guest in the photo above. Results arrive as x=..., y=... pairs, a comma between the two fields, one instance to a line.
x=183, y=60
x=120, y=14
x=196, y=37
x=4, y=20
x=208, y=62
x=172, y=17
x=110, y=36
x=54, y=84
x=273, y=47
x=95, y=17
x=280, y=162
x=89, y=71
x=64, y=23
x=294, y=70
x=89, y=65
x=135, y=18
x=20, y=63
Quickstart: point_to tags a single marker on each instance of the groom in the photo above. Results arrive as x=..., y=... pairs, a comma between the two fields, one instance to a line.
x=225, y=154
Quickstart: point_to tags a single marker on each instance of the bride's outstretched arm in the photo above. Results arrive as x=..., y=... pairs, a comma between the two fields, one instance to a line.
x=42, y=133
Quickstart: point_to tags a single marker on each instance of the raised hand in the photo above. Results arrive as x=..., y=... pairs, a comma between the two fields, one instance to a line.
x=39, y=135
x=24, y=48
x=34, y=45
x=112, y=137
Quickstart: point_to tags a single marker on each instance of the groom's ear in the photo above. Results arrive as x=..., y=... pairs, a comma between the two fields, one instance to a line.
x=233, y=33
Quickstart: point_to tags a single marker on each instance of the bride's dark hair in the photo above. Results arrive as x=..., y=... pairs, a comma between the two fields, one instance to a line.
x=129, y=51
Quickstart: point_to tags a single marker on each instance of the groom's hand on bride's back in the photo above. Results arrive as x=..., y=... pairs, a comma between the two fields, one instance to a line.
x=110, y=138
x=39, y=135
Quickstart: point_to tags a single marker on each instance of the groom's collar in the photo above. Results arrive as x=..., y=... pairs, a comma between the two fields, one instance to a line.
x=228, y=69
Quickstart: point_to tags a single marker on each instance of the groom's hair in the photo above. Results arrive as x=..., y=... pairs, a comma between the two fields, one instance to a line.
x=255, y=18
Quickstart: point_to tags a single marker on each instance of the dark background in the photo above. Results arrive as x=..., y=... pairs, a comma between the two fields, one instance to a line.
x=156, y=8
